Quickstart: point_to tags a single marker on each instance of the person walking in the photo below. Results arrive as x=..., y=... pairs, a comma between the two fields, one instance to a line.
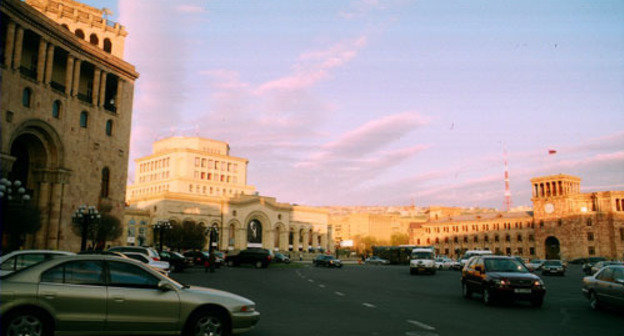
x=212, y=259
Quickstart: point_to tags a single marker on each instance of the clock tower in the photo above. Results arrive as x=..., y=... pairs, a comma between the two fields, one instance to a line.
x=553, y=196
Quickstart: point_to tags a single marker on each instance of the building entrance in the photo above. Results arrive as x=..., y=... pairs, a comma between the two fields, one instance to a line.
x=552, y=248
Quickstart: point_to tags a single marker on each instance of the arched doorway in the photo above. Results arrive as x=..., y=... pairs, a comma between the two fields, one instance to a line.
x=254, y=233
x=30, y=154
x=552, y=248
x=277, y=237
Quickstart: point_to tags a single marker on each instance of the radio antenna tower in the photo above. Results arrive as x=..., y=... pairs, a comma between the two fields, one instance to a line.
x=507, y=201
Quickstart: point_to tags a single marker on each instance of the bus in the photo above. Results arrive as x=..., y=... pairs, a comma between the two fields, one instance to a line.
x=397, y=255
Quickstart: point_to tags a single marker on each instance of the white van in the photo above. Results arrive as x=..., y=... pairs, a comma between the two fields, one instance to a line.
x=472, y=253
x=422, y=259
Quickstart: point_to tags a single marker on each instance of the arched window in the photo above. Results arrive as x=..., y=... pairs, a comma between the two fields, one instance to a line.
x=26, y=97
x=56, y=109
x=108, y=46
x=80, y=33
x=84, y=118
x=109, y=127
x=65, y=26
x=105, y=182
x=93, y=39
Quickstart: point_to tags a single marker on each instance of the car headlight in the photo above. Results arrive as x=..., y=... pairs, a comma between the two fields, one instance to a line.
x=249, y=308
x=538, y=283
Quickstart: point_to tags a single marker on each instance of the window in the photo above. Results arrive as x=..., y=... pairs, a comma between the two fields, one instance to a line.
x=127, y=275
x=591, y=250
x=519, y=238
x=589, y=222
x=507, y=238
x=520, y=250
x=605, y=275
x=27, y=97
x=590, y=236
x=80, y=33
x=84, y=118
x=108, y=46
x=56, y=109
x=109, y=127
x=82, y=272
x=104, y=184
x=93, y=39
x=531, y=238
x=622, y=234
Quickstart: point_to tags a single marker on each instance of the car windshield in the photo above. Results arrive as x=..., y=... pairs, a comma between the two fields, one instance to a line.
x=422, y=255
x=504, y=265
x=552, y=263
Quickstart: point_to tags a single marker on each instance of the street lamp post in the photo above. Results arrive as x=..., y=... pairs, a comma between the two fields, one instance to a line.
x=85, y=216
x=213, y=236
x=12, y=196
x=159, y=227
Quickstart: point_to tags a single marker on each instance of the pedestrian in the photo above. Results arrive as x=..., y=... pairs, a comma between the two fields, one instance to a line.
x=212, y=261
x=300, y=257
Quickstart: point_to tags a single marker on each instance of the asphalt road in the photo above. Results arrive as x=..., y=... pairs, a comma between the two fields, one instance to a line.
x=387, y=300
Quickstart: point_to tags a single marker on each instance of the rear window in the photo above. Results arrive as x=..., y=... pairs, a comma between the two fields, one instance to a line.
x=82, y=272
x=422, y=255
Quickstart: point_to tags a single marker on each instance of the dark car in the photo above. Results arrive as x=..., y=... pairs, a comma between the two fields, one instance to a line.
x=327, y=260
x=177, y=261
x=553, y=267
x=198, y=258
x=501, y=278
x=606, y=287
x=590, y=262
x=280, y=258
x=260, y=258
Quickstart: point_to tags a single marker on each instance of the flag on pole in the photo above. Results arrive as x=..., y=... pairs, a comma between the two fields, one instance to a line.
x=552, y=152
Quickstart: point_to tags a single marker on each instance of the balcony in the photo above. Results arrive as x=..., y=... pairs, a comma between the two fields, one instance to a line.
x=28, y=72
x=85, y=97
x=57, y=86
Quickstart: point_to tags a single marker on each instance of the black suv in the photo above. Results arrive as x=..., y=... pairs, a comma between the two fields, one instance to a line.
x=260, y=258
x=327, y=260
x=177, y=261
x=501, y=277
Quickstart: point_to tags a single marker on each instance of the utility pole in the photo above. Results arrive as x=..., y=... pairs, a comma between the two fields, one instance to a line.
x=507, y=201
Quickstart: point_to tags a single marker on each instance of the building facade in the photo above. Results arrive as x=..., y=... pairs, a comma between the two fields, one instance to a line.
x=191, y=179
x=66, y=108
x=565, y=224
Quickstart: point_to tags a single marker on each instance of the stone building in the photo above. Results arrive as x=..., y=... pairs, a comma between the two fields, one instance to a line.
x=66, y=109
x=565, y=224
x=191, y=179
x=381, y=227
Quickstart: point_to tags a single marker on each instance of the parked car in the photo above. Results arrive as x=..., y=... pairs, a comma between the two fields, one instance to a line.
x=472, y=253
x=553, y=267
x=148, y=251
x=280, y=258
x=606, y=287
x=534, y=265
x=327, y=261
x=160, y=266
x=445, y=263
x=219, y=258
x=375, y=260
x=17, y=260
x=101, y=252
x=599, y=265
x=101, y=294
x=260, y=258
x=177, y=261
x=590, y=262
x=497, y=277
x=578, y=261
x=422, y=260
x=198, y=258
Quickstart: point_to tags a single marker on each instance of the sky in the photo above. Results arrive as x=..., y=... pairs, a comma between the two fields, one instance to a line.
x=385, y=102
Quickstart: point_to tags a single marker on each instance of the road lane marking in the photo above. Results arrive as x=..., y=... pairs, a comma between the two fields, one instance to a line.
x=310, y=280
x=369, y=305
x=420, y=324
x=339, y=293
x=322, y=286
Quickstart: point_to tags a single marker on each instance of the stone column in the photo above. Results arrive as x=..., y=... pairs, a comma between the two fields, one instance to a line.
x=76, y=80
x=324, y=242
x=49, y=64
x=54, y=216
x=9, y=44
x=69, y=74
x=41, y=58
x=102, y=88
x=306, y=235
x=41, y=236
x=267, y=237
x=240, y=239
x=17, y=55
x=96, y=87
x=119, y=94
x=296, y=239
x=283, y=245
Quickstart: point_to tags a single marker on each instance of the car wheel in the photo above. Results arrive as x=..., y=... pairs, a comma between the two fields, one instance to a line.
x=208, y=322
x=27, y=323
x=466, y=292
x=594, y=303
x=259, y=264
x=537, y=302
x=433, y=271
x=487, y=297
x=230, y=263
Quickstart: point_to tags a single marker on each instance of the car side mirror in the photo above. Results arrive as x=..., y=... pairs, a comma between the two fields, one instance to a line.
x=479, y=268
x=165, y=286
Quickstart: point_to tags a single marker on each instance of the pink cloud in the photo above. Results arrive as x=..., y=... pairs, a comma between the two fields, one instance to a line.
x=191, y=9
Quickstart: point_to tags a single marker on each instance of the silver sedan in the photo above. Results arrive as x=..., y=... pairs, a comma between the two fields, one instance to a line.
x=606, y=287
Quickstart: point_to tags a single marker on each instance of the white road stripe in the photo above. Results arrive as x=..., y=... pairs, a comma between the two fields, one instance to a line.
x=420, y=324
x=310, y=280
x=369, y=305
x=339, y=293
x=322, y=286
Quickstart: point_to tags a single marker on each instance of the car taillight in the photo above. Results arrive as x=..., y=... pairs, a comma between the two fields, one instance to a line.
x=156, y=259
